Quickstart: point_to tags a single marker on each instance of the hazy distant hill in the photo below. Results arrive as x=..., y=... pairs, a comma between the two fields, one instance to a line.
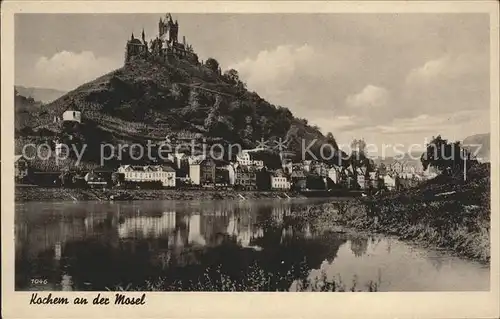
x=40, y=94
x=25, y=109
x=412, y=159
x=483, y=142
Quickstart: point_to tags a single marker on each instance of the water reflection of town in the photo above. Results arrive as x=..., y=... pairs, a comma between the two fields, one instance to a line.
x=100, y=245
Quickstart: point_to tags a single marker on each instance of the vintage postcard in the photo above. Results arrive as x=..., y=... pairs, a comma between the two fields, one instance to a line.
x=250, y=159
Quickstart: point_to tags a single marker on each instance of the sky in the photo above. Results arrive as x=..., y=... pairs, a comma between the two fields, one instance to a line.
x=387, y=78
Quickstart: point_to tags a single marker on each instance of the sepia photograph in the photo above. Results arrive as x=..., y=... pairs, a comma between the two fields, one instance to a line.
x=175, y=151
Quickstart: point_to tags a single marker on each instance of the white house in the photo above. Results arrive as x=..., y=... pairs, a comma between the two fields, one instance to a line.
x=287, y=166
x=410, y=169
x=390, y=182
x=73, y=116
x=232, y=173
x=195, y=172
x=164, y=174
x=196, y=159
x=279, y=182
x=246, y=158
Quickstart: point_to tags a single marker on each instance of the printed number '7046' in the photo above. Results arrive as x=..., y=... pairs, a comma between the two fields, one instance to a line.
x=39, y=281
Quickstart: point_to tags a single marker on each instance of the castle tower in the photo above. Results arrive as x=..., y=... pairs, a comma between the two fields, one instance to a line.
x=134, y=48
x=163, y=29
x=174, y=31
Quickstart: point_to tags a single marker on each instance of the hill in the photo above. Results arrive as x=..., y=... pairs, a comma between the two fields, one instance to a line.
x=483, y=142
x=43, y=95
x=25, y=108
x=412, y=159
x=147, y=100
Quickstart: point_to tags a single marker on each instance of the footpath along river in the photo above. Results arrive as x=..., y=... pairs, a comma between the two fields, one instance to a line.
x=101, y=245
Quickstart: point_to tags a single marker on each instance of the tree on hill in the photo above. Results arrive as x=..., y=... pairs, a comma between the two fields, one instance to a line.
x=331, y=140
x=233, y=78
x=212, y=64
x=359, y=158
x=218, y=122
x=446, y=156
x=382, y=169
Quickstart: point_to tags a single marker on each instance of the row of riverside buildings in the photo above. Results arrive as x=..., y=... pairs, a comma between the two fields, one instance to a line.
x=247, y=172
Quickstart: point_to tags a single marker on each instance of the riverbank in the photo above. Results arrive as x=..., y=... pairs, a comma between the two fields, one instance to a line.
x=40, y=194
x=443, y=213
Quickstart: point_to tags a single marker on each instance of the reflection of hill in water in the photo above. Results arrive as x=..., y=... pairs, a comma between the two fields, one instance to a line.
x=131, y=244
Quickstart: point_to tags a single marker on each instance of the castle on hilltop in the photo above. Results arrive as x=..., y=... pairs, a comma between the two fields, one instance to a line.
x=163, y=47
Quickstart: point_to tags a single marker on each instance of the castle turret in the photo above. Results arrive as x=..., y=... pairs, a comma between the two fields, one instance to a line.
x=135, y=48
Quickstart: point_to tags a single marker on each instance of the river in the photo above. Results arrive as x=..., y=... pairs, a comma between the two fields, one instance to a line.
x=105, y=245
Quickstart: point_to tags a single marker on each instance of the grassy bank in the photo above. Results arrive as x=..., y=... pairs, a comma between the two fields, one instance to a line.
x=445, y=212
x=27, y=194
x=254, y=279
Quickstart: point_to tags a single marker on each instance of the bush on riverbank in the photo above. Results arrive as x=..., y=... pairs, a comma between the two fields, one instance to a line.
x=446, y=212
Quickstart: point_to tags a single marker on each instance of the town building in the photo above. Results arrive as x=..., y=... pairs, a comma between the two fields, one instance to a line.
x=247, y=157
x=334, y=174
x=231, y=173
x=287, y=166
x=72, y=116
x=390, y=181
x=374, y=180
x=279, y=181
x=177, y=159
x=306, y=166
x=61, y=150
x=150, y=173
x=397, y=167
x=202, y=172
x=409, y=169
x=315, y=182
x=246, y=177
x=362, y=178
x=21, y=167
x=180, y=162
x=221, y=176
x=96, y=179
x=298, y=179
x=318, y=168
